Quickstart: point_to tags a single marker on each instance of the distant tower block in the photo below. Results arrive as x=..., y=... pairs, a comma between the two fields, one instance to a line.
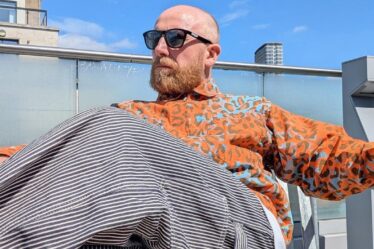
x=270, y=53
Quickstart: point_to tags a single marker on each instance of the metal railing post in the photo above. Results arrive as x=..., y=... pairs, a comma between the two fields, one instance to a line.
x=76, y=86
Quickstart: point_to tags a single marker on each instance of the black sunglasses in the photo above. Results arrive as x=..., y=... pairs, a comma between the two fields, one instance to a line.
x=174, y=38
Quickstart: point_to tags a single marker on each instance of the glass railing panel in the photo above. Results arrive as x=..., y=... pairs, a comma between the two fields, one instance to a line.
x=311, y=96
x=238, y=82
x=36, y=94
x=315, y=97
x=330, y=209
x=103, y=83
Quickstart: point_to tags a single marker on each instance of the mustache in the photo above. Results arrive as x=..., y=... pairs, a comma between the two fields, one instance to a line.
x=165, y=61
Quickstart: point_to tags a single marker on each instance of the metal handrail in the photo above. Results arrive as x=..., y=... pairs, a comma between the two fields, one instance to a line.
x=44, y=19
x=68, y=53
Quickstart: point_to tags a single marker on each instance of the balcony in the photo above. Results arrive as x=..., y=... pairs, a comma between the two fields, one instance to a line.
x=23, y=16
x=25, y=26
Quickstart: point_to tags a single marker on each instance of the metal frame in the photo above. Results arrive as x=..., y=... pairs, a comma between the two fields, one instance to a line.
x=119, y=57
x=358, y=109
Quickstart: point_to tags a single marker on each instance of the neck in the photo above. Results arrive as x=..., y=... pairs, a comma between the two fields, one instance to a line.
x=170, y=97
x=178, y=96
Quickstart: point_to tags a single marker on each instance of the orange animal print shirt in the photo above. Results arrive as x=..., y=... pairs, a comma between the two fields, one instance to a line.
x=250, y=136
x=9, y=151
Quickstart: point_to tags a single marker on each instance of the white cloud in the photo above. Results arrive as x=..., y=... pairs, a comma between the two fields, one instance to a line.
x=260, y=26
x=238, y=4
x=237, y=10
x=298, y=29
x=232, y=16
x=81, y=42
x=124, y=43
x=80, y=27
x=87, y=43
x=80, y=34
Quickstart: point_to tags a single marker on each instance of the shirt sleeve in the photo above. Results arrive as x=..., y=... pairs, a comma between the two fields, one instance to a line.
x=9, y=151
x=319, y=157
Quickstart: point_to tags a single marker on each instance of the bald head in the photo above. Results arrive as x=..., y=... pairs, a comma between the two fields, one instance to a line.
x=178, y=70
x=190, y=18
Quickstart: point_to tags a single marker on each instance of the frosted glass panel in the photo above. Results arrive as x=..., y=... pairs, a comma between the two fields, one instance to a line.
x=315, y=97
x=104, y=83
x=238, y=82
x=330, y=209
x=36, y=94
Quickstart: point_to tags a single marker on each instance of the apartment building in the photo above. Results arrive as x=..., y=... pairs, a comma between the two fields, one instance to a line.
x=24, y=22
x=270, y=54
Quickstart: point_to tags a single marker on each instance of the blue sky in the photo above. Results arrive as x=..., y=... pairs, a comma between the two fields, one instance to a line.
x=314, y=33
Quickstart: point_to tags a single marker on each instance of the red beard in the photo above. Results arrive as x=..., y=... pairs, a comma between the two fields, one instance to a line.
x=168, y=79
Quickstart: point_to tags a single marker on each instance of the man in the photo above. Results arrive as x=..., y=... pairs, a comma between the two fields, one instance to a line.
x=242, y=133
x=246, y=135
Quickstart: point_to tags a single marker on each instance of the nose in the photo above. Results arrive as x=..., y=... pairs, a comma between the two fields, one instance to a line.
x=162, y=48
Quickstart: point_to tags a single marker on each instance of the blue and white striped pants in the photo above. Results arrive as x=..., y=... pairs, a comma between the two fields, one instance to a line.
x=104, y=179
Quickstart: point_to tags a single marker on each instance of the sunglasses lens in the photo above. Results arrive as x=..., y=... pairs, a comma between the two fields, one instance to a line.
x=175, y=38
x=151, y=38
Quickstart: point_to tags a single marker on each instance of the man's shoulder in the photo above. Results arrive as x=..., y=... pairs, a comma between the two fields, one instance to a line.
x=244, y=97
x=257, y=103
x=129, y=103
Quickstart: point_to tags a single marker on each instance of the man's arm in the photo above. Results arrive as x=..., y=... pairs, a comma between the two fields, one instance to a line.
x=321, y=158
x=6, y=152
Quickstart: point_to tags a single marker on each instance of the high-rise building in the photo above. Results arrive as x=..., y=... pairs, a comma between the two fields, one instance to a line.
x=24, y=22
x=270, y=53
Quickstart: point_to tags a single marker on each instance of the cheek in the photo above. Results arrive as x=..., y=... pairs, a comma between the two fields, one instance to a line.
x=182, y=62
x=189, y=55
x=186, y=60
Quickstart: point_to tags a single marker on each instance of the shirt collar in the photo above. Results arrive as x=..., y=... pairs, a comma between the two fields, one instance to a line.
x=207, y=89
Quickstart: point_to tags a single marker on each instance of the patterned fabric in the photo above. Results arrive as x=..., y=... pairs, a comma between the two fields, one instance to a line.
x=8, y=151
x=249, y=136
x=104, y=179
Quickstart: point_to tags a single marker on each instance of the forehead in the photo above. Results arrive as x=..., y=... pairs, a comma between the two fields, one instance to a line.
x=176, y=20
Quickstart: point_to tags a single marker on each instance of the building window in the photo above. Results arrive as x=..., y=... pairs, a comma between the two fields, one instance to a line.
x=9, y=41
x=8, y=11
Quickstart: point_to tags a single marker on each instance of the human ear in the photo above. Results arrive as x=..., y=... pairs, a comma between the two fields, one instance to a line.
x=212, y=53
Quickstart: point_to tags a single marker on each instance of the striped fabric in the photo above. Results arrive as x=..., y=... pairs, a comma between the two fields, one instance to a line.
x=104, y=179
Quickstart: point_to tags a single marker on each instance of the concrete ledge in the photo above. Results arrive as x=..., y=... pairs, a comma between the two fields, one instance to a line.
x=333, y=241
x=332, y=226
x=25, y=26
